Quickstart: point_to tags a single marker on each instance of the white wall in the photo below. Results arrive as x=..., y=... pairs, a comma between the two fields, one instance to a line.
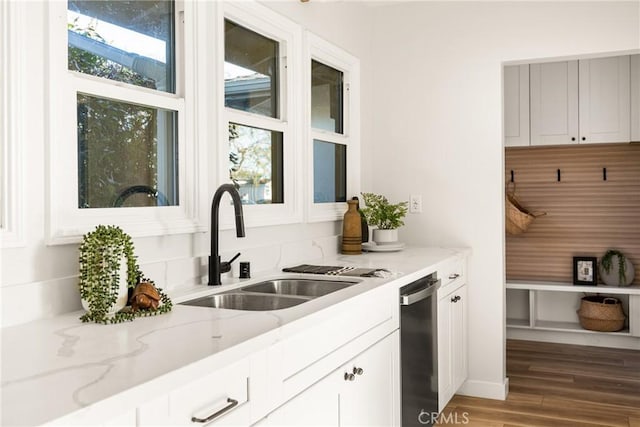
x=40, y=281
x=437, y=128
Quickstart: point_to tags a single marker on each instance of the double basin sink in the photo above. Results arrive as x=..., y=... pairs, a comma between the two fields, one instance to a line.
x=273, y=294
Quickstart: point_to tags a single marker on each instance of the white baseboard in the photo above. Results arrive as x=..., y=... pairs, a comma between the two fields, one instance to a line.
x=485, y=389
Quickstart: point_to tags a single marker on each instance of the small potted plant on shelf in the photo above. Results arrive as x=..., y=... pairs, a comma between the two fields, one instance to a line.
x=616, y=269
x=108, y=269
x=385, y=216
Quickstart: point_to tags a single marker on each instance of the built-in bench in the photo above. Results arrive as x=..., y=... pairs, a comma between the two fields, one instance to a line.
x=546, y=311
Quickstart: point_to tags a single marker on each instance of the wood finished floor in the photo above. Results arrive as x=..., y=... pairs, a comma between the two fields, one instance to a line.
x=559, y=385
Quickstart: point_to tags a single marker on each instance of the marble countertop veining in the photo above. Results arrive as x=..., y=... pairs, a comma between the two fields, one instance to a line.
x=54, y=367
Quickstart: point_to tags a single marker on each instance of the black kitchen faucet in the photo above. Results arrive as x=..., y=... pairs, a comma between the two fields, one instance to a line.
x=216, y=267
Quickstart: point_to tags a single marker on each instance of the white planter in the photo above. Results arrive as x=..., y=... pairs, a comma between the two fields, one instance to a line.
x=123, y=291
x=612, y=278
x=385, y=237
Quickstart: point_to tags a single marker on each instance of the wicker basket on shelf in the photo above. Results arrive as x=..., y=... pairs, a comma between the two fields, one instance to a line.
x=600, y=313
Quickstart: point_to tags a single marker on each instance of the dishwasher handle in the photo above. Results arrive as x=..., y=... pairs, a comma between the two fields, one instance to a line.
x=408, y=299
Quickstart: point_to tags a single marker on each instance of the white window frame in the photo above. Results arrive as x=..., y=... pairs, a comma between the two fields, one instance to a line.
x=329, y=54
x=264, y=21
x=12, y=112
x=66, y=223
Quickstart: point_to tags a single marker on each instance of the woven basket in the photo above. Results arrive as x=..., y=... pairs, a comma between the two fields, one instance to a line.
x=599, y=313
x=517, y=218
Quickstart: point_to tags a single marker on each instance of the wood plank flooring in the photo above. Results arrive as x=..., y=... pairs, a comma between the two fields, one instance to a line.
x=557, y=385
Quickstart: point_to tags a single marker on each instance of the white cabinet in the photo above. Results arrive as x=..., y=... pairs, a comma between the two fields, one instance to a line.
x=554, y=103
x=635, y=98
x=316, y=406
x=222, y=398
x=367, y=392
x=516, y=105
x=604, y=100
x=586, y=101
x=452, y=341
x=360, y=392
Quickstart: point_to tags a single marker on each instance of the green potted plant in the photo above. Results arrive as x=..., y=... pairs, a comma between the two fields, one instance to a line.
x=385, y=216
x=108, y=269
x=616, y=269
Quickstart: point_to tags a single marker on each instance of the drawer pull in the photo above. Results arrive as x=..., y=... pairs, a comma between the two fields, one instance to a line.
x=232, y=403
x=454, y=276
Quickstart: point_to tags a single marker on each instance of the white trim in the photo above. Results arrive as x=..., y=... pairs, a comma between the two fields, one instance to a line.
x=66, y=223
x=12, y=121
x=322, y=51
x=264, y=21
x=485, y=389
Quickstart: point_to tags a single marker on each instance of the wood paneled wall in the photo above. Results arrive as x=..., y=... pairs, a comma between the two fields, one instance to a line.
x=586, y=215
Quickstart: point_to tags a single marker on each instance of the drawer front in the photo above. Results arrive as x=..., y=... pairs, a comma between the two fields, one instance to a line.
x=453, y=270
x=303, y=349
x=223, y=397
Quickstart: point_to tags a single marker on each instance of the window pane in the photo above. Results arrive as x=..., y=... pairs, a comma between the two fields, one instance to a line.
x=250, y=71
x=329, y=172
x=127, y=154
x=127, y=41
x=255, y=164
x=326, y=97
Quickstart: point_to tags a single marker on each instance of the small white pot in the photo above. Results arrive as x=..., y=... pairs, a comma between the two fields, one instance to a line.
x=385, y=237
x=123, y=291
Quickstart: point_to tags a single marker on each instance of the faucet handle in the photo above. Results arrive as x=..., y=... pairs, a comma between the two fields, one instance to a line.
x=225, y=266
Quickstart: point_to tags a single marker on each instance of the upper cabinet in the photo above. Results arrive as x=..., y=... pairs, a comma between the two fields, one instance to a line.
x=605, y=100
x=516, y=105
x=554, y=103
x=570, y=102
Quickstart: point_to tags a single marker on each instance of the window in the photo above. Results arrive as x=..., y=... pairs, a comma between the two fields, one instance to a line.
x=118, y=130
x=126, y=154
x=326, y=97
x=329, y=172
x=251, y=81
x=333, y=88
x=261, y=149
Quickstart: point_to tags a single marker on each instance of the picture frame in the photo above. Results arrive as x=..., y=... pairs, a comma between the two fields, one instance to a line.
x=585, y=271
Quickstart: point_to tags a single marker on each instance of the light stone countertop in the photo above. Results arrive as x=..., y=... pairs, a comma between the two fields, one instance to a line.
x=55, y=367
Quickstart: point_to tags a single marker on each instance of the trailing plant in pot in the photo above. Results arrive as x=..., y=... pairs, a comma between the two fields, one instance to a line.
x=616, y=269
x=108, y=269
x=385, y=216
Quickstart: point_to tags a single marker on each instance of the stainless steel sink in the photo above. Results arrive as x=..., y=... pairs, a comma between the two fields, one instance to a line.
x=246, y=301
x=273, y=294
x=300, y=287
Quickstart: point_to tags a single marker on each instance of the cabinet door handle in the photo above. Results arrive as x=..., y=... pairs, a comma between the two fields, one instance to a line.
x=454, y=276
x=358, y=371
x=456, y=298
x=349, y=377
x=232, y=403
x=573, y=138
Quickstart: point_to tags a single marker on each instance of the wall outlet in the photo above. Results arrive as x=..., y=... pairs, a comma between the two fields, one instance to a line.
x=415, y=204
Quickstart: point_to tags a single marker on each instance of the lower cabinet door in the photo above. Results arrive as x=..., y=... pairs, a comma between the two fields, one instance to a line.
x=360, y=393
x=367, y=391
x=316, y=406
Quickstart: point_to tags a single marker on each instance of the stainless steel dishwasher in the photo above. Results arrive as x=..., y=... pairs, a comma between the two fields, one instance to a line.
x=419, y=351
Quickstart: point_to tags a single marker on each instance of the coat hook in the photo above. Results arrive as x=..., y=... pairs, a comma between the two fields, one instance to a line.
x=512, y=180
x=558, y=175
x=604, y=174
